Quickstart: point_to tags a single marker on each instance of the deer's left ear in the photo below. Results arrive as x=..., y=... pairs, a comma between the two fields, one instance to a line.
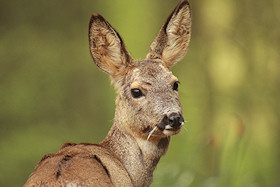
x=172, y=42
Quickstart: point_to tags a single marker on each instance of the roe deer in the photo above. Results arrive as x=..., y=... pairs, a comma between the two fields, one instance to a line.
x=148, y=111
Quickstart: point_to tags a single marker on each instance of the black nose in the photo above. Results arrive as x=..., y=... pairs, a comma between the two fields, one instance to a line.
x=175, y=120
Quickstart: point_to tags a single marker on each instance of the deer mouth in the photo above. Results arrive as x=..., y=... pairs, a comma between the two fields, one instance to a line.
x=171, y=132
x=171, y=124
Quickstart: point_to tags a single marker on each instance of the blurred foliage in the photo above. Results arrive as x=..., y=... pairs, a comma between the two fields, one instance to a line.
x=51, y=92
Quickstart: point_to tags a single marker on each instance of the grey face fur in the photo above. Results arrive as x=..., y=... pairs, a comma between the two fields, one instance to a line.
x=159, y=99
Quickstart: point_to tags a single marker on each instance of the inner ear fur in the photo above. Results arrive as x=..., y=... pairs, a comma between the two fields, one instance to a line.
x=173, y=39
x=107, y=47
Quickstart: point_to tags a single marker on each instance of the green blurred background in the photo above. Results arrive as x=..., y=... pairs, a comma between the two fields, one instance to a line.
x=51, y=91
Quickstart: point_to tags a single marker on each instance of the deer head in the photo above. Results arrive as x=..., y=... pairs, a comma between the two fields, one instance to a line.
x=147, y=90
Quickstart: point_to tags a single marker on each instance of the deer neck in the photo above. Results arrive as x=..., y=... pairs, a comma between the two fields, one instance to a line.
x=138, y=156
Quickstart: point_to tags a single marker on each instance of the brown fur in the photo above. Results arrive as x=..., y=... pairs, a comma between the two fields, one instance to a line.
x=124, y=157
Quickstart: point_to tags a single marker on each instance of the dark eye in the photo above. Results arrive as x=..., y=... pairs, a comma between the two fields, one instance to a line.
x=175, y=85
x=136, y=93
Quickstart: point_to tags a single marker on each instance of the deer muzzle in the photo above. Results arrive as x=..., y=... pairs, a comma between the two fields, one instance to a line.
x=172, y=122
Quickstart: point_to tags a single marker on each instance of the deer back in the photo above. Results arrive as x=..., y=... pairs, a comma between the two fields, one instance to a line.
x=80, y=165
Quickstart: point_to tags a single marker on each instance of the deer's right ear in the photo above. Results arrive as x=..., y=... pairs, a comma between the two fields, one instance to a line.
x=106, y=47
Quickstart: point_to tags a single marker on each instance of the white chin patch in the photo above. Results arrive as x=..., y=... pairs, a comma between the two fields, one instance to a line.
x=169, y=132
x=168, y=127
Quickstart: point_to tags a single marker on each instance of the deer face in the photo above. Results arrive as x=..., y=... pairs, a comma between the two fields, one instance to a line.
x=147, y=91
x=149, y=99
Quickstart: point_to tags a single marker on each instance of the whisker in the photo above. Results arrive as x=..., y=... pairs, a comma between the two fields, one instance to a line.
x=185, y=128
x=150, y=133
